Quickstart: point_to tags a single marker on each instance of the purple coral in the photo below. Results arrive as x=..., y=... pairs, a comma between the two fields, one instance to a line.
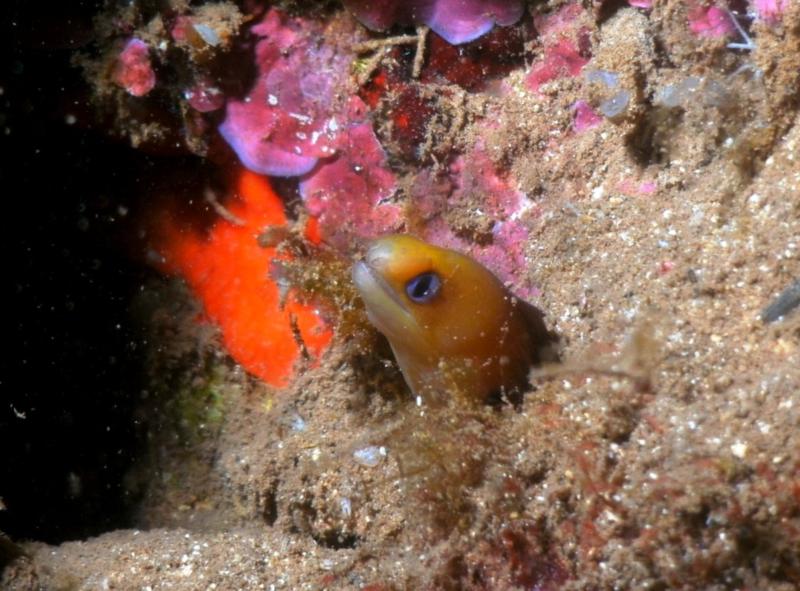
x=287, y=121
x=457, y=21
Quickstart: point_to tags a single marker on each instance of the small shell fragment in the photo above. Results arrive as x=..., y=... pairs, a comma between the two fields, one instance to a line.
x=369, y=456
x=781, y=306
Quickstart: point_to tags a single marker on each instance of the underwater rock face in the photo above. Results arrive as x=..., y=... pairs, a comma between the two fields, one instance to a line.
x=633, y=175
x=457, y=21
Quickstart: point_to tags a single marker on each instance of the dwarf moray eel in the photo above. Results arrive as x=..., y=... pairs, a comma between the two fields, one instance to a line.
x=453, y=326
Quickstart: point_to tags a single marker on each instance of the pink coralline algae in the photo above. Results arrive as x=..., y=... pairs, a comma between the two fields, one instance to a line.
x=133, y=70
x=770, y=11
x=287, y=122
x=634, y=188
x=204, y=97
x=457, y=21
x=474, y=181
x=585, y=117
x=347, y=192
x=302, y=119
x=710, y=21
x=565, y=43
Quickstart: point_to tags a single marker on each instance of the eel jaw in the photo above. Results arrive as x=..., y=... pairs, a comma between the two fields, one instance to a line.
x=385, y=309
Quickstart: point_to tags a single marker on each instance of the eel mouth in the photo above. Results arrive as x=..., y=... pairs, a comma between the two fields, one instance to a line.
x=385, y=309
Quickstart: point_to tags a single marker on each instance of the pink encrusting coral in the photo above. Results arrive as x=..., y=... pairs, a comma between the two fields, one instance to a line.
x=347, y=192
x=457, y=21
x=289, y=119
x=133, y=70
x=710, y=21
x=565, y=44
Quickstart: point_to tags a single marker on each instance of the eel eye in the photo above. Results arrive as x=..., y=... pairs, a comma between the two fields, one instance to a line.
x=424, y=287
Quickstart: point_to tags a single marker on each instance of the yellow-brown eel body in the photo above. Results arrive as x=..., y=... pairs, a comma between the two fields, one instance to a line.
x=453, y=326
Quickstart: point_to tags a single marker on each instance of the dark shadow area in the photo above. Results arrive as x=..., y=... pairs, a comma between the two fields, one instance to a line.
x=71, y=371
